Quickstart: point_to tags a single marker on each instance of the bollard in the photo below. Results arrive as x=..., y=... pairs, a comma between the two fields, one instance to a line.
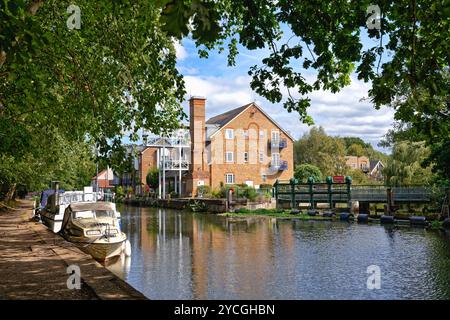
x=446, y=223
x=328, y=214
x=387, y=219
x=418, y=221
x=363, y=217
x=345, y=216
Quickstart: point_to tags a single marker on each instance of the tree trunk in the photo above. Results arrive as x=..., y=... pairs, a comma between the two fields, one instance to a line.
x=10, y=193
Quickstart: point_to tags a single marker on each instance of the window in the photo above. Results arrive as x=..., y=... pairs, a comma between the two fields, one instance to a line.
x=275, y=135
x=229, y=178
x=353, y=165
x=229, y=134
x=261, y=133
x=229, y=157
x=275, y=159
x=261, y=156
x=245, y=134
x=245, y=156
x=264, y=178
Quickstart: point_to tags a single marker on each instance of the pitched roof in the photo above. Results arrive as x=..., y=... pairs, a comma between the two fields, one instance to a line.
x=226, y=117
x=373, y=164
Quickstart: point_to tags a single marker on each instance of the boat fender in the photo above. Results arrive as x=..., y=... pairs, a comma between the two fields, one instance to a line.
x=127, y=248
x=295, y=211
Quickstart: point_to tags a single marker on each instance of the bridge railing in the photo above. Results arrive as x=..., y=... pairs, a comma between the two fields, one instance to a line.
x=331, y=192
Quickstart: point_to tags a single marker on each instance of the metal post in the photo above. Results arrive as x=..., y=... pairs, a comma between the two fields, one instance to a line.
x=275, y=192
x=158, y=157
x=179, y=171
x=311, y=195
x=293, y=182
x=164, y=171
x=330, y=192
x=348, y=181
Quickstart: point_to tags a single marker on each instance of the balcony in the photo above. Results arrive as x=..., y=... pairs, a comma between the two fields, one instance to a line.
x=174, y=164
x=279, y=165
x=278, y=143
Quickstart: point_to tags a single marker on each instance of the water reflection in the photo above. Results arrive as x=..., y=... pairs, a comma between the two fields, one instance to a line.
x=178, y=255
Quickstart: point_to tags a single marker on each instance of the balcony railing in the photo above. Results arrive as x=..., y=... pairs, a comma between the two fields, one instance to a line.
x=175, y=164
x=280, y=165
x=278, y=143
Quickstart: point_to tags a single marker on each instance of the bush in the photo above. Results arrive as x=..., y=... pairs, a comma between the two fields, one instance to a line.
x=204, y=191
x=173, y=194
x=120, y=192
x=303, y=171
x=250, y=193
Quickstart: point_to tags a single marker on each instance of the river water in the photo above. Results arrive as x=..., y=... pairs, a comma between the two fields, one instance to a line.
x=180, y=255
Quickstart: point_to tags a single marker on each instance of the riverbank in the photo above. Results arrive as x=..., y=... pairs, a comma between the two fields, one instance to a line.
x=34, y=263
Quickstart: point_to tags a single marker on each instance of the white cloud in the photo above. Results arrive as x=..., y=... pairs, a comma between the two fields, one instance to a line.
x=180, y=50
x=342, y=114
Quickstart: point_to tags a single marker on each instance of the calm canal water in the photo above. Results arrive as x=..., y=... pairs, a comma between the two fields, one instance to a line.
x=179, y=255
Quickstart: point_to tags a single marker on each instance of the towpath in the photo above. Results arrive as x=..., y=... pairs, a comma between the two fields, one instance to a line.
x=34, y=261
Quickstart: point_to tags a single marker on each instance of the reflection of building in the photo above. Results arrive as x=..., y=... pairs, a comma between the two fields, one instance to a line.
x=241, y=146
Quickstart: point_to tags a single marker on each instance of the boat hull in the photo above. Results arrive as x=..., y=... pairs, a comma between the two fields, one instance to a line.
x=100, y=250
x=103, y=251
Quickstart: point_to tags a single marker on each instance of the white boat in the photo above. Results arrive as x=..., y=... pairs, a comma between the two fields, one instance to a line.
x=54, y=202
x=95, y=228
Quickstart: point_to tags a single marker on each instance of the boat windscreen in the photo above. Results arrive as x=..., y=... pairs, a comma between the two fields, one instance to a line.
x=92, y=214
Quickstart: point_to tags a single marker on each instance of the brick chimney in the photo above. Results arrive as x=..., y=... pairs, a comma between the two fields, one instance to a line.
x=198, y=137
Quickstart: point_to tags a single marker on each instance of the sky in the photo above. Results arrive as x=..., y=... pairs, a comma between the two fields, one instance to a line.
x=345, y=113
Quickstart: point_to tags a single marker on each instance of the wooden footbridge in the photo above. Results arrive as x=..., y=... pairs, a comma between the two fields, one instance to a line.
x=331, y=192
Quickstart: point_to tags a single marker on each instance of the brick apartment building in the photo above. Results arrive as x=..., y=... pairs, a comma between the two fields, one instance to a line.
x=242, y=145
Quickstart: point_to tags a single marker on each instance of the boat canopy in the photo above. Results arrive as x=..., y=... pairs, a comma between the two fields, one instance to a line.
x=45, y=194
x=92, y=206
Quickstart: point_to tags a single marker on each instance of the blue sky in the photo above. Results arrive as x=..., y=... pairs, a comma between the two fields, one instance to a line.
x=225, y=88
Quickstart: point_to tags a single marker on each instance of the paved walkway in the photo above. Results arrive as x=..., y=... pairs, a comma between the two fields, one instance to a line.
x=34, y=260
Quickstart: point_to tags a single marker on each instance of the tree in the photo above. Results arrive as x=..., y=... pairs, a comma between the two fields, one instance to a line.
x=303, y=171
x=407, y=68
x=115, y=75
x=357, y=141
x=323, y=151
x=405, y=168
x=152, y=178
x=356, y=150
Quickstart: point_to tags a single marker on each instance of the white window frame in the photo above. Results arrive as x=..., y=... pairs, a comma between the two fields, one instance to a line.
x=276, y=162
x=229, y=175
x=246, y=134
x=245, y=156
x=261, y=134
x=261, y=156
x=229, y=134
x=232, y=157
x=277, y=134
